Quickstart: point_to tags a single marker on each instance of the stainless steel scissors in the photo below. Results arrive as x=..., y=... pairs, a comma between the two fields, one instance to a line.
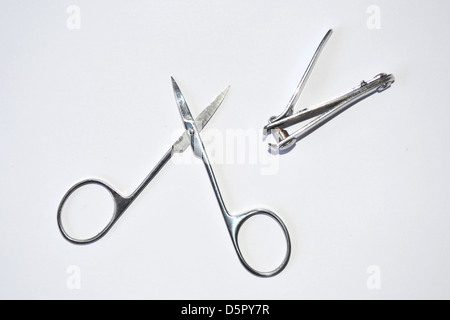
x=190, y=137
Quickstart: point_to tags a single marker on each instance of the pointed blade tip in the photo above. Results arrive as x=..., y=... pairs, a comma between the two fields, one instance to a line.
x=225, y=91
x=175, y=86
x=174, y=83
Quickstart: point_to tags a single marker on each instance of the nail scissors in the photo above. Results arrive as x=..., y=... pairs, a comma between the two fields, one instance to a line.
x=323, y=112
x=190, y=137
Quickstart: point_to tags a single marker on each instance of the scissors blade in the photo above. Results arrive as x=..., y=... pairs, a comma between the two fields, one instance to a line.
x=202, y=119
x=185, y=113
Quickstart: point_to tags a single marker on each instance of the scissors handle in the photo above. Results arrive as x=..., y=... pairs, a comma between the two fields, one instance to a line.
x=120, y=205
x=234, y=224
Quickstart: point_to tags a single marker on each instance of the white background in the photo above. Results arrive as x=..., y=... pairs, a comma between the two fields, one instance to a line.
x=368, y=189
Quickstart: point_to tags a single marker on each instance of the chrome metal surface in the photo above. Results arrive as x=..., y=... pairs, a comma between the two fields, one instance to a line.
x=301, y=85
x=233, y=222
x=323, y=112
x=121, y=203
x=326, y=111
